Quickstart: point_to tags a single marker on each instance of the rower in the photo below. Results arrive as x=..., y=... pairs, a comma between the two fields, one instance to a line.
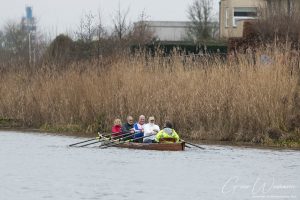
x=127, y=128
x=168, y=134
x=117, y=128
x=150, y=130
x=139, y=129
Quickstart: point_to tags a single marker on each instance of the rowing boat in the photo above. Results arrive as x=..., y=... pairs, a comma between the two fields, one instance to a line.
x=154, y=146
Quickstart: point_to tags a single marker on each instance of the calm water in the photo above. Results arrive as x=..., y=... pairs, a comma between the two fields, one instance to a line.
x=39, y=166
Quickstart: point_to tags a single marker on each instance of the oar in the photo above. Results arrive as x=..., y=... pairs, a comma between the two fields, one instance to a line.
x=193, y=144
x=122, y=142
x=113, y=138
x=96, y=138
x=83, y=141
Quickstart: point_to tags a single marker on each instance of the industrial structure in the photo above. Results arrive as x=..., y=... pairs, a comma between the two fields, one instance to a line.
x=28, y=21
x=28, y=25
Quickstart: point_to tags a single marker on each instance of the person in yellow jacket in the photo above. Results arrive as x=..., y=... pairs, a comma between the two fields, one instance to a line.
x=168, y=134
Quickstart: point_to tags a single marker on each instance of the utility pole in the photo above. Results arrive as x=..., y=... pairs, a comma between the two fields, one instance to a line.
x=29, y=25
x=29, y=46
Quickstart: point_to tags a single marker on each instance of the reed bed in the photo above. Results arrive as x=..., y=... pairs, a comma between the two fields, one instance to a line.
x=206, y=98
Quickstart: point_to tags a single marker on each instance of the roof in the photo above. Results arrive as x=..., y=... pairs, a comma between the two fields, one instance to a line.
x=182, y=24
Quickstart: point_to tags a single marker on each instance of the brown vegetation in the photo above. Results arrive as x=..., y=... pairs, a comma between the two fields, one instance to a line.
x=207, y=100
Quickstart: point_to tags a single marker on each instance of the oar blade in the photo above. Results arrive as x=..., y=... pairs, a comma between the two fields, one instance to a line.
x=195, y=145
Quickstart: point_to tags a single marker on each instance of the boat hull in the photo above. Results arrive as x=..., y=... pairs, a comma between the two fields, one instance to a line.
x=154, y=146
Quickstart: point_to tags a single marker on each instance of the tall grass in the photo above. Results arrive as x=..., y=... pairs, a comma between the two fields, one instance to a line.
x=210, y=99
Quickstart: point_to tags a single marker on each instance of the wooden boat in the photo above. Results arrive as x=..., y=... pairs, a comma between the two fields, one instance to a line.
x=154, y=146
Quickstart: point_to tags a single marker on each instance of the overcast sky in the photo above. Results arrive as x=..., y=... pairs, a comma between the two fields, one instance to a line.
x=61, y=16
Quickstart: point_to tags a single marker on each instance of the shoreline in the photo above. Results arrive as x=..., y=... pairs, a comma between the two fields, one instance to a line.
x=238, y=144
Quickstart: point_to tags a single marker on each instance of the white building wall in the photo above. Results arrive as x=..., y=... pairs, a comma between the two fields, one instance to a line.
x=169, y=31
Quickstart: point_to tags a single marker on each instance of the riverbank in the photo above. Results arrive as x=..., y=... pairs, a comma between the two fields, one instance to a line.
x=206, y=99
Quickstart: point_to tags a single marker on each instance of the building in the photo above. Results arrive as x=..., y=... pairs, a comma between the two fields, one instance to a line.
x=173, y=31
x=233, y=13
x=169, y=30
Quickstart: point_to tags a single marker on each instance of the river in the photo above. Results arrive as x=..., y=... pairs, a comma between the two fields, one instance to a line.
x=42, y=166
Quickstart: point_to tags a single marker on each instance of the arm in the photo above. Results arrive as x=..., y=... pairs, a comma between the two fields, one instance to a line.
x=147, y=130
x=124, y=129
x=158, y=136
x=175, y=135
x=114, y=129
x=157, y=128
x=136, y=128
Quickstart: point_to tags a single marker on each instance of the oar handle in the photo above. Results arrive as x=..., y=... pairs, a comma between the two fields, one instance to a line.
x=116, y=137
x=122, y=142
x=126, y=136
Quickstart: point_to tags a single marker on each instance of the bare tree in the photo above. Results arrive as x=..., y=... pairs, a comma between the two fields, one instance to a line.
x=1, y=37
x=121, y=26
x=100, y=30
x=20, y=44
x=85, y=34
x=87, y=28
x=14, y=42
x=141, y=33
x=2, y=50
x=279, y=23
x=1, y=40
x=200, y=14
x=101, y=33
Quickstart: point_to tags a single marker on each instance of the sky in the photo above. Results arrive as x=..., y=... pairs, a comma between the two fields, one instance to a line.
x=63, y=16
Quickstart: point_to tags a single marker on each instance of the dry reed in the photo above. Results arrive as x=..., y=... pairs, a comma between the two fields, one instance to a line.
x=205, y=100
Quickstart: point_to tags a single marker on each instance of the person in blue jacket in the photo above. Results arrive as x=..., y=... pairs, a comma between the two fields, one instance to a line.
x=139, y=129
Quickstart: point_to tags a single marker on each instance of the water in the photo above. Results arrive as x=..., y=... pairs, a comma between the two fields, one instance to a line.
x=40, y=166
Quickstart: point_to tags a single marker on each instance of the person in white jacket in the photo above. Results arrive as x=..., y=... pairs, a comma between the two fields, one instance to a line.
x=150, y=129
